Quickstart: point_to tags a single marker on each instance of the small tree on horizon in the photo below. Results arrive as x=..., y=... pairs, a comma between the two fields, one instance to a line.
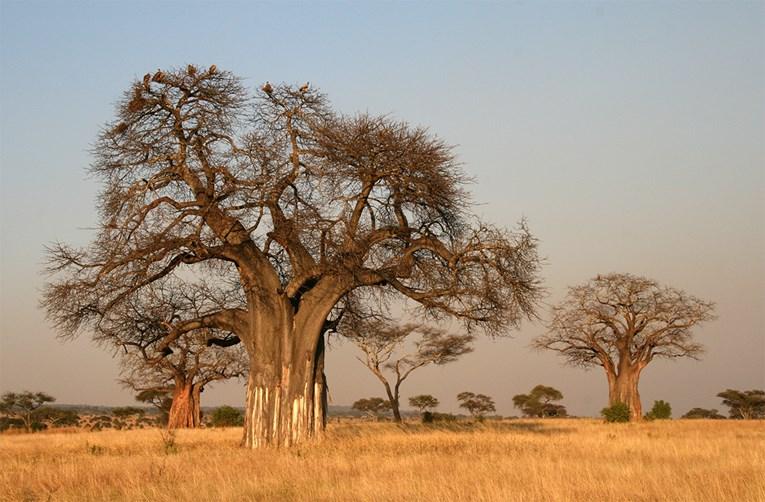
x=24, y=406
x=478, y=405
x=372, y=406
x=712, y=414
x=380, y=340
x=423, y=402
x=539, y=402
x=746, y=404
x=661, y=410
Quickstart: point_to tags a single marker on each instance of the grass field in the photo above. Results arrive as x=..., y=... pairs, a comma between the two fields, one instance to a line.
x=519, y=460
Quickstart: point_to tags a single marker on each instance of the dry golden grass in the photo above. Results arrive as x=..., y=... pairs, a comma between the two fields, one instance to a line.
x=551, y=460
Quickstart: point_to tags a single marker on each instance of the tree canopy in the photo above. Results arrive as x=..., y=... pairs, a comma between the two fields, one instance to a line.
x=382, y=344
x=539, y=402
x=745, y=404
x=290, y=207
x=477, y=405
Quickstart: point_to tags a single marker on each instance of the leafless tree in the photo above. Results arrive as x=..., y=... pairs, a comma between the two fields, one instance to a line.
x=299, y=206
x=622, y=322
x=193, y=366
x=186, y=365
x=382, y=342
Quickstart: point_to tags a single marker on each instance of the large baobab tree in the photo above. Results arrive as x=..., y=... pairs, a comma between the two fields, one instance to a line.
x=382, y=342
x=299, y=206
x=622, y=322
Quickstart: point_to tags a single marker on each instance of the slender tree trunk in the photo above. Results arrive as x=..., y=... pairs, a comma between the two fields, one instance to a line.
x=185, y=410
x=623, y=388
x=393, y=399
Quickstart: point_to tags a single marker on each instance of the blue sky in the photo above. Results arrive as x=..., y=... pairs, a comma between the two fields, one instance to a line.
x=629, y=134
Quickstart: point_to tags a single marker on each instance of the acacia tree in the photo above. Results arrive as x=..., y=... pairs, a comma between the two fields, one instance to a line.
x=372, y=406
x=622, y=322
x=747, y=404
x=299, y=206
x=703, y=413
x=424, y=402
x=24, y=406
x=539, y=402
x=477, y=405
x=381, y=340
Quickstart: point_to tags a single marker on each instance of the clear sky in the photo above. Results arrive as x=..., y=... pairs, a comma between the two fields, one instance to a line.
x=630, y=135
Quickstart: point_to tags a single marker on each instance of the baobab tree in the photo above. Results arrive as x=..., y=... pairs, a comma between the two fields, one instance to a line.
x=382, y=341
x=297, y=205
x=622, y=322
x=183, y=375
x=185, y=366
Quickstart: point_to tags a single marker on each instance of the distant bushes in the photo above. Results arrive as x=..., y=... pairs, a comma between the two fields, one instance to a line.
x=618, y=412
x=226, y=416
x=661, y=411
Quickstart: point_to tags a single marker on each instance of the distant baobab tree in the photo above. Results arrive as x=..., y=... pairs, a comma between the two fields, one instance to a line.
x=185, y=366
x=296, y=205
x=622, y=322
x=382, y=343
x=182, y=375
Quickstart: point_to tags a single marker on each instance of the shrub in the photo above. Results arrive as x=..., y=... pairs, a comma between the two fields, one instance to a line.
x=617, y=412
x=661, y=411
x=226, y=416
x=703, y=413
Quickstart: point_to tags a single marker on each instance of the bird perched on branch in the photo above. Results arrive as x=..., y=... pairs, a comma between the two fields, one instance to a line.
x=147, y=80
x=304, y=87
x=213, y=69
x=158, y=76
x=191, y=70
x=267, y=88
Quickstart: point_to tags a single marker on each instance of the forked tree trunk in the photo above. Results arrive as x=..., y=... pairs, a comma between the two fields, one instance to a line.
x=185, y=411
x=623, y=388
x=393, y=399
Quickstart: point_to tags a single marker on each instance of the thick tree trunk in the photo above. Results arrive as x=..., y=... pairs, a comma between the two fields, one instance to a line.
x=185, y=410
x=286, y=403
x=623, y=388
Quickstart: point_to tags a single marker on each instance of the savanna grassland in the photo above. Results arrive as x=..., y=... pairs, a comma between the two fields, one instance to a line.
x=518, y=460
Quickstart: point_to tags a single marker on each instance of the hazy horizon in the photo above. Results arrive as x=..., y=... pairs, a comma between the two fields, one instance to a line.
x=630, y=136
